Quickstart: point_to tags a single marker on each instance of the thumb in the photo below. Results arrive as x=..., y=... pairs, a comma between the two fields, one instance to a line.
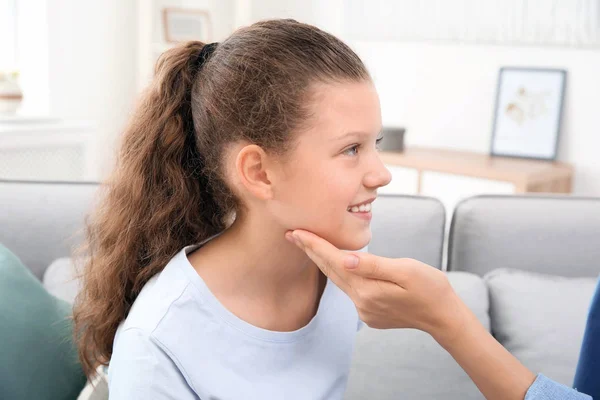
x=382, y=268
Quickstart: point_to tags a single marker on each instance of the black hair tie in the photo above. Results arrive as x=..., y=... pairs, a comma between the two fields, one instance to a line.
x=205, y=54
x=199, y=62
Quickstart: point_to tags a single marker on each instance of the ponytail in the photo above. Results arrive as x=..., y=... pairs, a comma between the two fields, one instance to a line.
x=156, y=202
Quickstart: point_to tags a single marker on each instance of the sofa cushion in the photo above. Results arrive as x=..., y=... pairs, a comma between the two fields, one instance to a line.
x=48, y=217
x=39, y=360
x=540, y=318
x=514, y=231
x=97, y=388
x=408, y=226
x=60, y=279
x=408, y=364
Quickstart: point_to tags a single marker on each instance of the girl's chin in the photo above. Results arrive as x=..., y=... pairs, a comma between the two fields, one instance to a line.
x=357, y=247
x=345, y=237
x=358, y=242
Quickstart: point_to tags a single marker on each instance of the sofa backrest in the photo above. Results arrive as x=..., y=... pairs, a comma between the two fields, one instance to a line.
x=43, y=221
x=553, y=234
x=408, y=226
x=408, y=364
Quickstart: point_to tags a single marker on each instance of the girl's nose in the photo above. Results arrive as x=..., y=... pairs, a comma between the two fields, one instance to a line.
x=378, y=175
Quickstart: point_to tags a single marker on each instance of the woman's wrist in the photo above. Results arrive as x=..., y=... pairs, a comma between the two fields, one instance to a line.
x=454, y=319
x=496, y=372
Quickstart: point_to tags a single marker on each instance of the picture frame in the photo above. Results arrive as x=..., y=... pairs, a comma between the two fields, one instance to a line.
x=185, y=24
x=528, y=112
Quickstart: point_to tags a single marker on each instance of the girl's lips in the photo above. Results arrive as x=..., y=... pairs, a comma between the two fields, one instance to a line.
x=372, y=199
x=367, y=216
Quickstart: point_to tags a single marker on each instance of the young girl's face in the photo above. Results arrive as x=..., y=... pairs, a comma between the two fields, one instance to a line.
x=334, y=167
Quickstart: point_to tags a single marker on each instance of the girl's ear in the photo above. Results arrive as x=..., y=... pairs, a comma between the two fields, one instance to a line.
x=252, y=166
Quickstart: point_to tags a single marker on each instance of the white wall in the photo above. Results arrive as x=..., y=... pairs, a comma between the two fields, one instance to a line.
x=264, y=9
x=324, y=14
x=444, y=95
x=94, y=60
x=32, y=45
x=8, y=41
x=151, y=35
x=92, y=65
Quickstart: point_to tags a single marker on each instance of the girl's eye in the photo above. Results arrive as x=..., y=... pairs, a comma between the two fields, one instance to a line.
x=352, y=151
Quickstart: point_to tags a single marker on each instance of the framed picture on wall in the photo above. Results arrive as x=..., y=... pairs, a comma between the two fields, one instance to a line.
x=184, y=24
x=528, y=112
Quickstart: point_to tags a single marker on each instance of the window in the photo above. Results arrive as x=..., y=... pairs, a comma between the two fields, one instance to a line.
x=24, y=49
x=8, y=34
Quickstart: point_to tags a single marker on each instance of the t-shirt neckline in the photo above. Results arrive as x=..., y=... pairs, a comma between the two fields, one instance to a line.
x=233, y=320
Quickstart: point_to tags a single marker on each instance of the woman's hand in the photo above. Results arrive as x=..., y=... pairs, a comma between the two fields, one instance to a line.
x=389, y=293
x=406, y=293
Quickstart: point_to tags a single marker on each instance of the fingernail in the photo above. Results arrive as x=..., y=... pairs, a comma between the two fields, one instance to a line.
x=298, y=241
x=289, y=237
x=351, y=261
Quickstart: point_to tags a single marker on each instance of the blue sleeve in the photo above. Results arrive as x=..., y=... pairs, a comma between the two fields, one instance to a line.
x=139, y=369
x=587, y=377
x=544, y=388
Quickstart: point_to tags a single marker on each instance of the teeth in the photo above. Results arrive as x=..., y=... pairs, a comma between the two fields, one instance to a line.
x=361, y=208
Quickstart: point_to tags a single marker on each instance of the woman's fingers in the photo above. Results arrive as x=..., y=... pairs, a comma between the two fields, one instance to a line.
x=331, y=260
x=388, y=293
x=381, y=268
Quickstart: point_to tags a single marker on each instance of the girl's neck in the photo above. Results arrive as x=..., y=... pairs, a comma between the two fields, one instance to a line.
x=260, y=276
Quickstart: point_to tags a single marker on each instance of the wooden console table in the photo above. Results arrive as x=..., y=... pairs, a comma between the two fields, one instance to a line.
x=526, y=176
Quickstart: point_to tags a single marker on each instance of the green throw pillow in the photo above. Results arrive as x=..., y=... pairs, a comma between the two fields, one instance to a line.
x=38, y=359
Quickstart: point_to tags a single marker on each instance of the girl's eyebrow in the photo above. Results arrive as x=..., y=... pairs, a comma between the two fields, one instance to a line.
x=357, y=134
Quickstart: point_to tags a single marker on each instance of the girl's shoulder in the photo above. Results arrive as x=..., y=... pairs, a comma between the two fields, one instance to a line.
x=157, y=297
x=140, y=368
x=140, y=359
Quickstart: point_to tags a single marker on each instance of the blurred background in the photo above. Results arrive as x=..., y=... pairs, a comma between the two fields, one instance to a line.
x=80, y=65
x=495, y=97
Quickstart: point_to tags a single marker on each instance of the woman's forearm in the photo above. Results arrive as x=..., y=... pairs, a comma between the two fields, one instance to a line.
x=496, y=372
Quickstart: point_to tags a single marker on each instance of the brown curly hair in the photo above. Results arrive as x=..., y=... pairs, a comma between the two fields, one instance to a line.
x=168, y=188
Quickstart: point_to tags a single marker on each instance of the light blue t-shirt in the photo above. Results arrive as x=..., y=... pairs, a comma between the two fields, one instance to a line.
x=180, y=342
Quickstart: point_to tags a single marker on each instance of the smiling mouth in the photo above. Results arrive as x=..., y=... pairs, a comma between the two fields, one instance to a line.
x=364, y=207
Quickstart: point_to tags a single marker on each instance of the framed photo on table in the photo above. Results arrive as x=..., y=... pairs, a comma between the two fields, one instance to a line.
x=528, y=112
x=184, y=24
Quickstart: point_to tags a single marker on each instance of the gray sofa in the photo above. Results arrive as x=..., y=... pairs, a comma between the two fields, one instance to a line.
x=525, y=265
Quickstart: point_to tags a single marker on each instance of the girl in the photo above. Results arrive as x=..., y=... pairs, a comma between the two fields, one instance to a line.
x=192, y=290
